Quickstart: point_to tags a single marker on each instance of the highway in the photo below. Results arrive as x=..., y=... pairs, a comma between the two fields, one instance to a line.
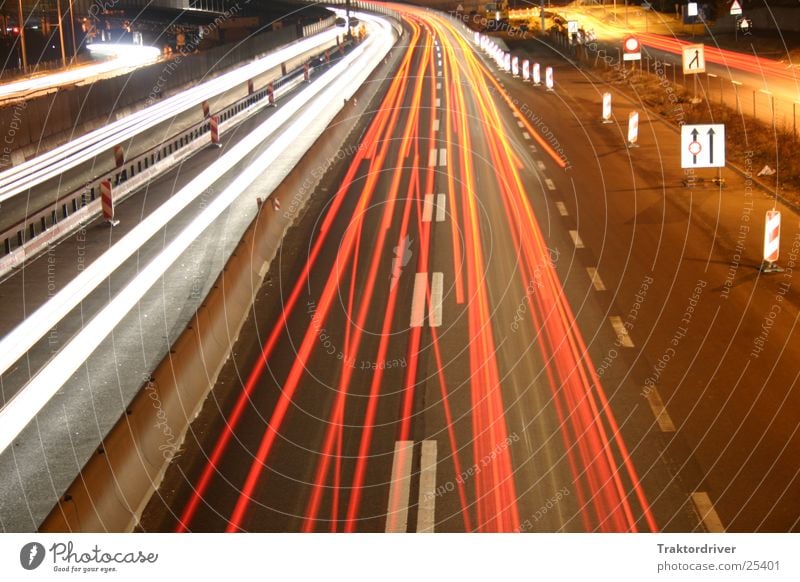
x=195, y=215
x=416, y=363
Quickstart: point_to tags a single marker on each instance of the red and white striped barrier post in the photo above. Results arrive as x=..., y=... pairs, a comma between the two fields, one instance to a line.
x=271, y=94
x=537, y=74
x=214, y=125
x=515, y=66
x=327, y=57
x=526, y=70
x=107, y=202
x=119, y=156
x=633, y=129
x=548, y=78
x=250, y=87
x=206, y=109
x=306, y=73
x=276, y=204
x=507, y=62
x=607, y=107
x=772, y=242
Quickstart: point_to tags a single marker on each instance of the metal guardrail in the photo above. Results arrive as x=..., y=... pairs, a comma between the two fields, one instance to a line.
x=42, y=228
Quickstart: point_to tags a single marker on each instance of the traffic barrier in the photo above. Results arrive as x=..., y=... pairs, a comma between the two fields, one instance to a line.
x=607, y=107
x=119, y=156
x=214, y=126
x=526, y=70
x=107, y=202
x=548, y=78
x=772, y=241
x=306, y=73
x=206, y=109
x=633, y=129
x=537, y=75
x=271, y=94
x=250, y=87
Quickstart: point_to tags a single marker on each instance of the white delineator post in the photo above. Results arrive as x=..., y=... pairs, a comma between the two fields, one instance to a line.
x=526, y=70
x=548, y=78
x=633, y=129
x=537, y=75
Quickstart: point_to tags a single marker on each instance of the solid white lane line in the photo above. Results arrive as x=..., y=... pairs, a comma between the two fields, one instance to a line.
x=562, y=209
x=540, y=165
x=596, y=280
x=550, y=184
x=427, y=208
x=443, y=157
x=435, y=125
x=399, y=490
x=659, y=410
x=427, y=488
x=432, y=157
x=526, y=135
x=708, y=515
x=441, y=201
x=418, y=299
x=622, y=332
x=437, y=287
x=576, y=238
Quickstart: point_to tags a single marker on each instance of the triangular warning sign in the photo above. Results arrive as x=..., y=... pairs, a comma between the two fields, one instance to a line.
x=460, y=8
x=736, y=8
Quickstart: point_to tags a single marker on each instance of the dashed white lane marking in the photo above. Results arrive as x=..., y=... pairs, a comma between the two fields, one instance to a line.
x=562, y=209
x=526, y=135
x=418, y=299
x=520, y=124
x=576, y=238
x=659, y=410
x=432, y=157
x=516, y=114
x=399, y=490
x=438, y=85
x=623, y=337
x=435, y=125
x=533, y=148
x=441, y=201
x=443, y=157
x=708, y=515
x=540, y=165
x=550, y=184
x=596, y=280
x=427, y=208
x=438, y=102
x=440, y=62
x=437, y=287
x=427, y=488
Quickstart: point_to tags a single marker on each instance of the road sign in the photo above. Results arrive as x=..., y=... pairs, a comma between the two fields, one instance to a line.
x=633, y=129
x=607, y=108
x=703, y=146
x=572, y=27
x=632, y=51
x=736, y=8
x=694, y=59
